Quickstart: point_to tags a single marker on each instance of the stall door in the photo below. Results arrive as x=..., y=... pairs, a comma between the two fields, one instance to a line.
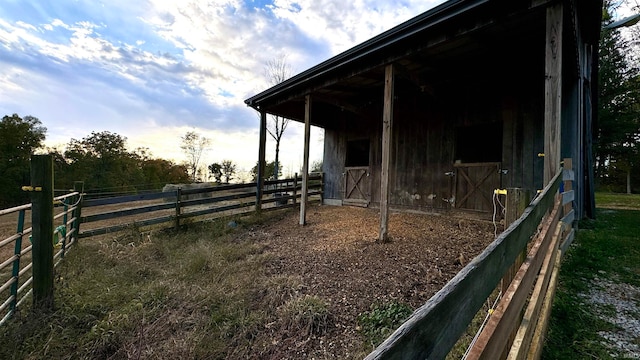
x=357, y=186
x=475, y=183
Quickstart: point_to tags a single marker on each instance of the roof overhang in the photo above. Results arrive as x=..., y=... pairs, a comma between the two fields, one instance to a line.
x=455, y=39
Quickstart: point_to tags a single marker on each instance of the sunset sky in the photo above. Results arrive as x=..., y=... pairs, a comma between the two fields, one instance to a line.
x=151, y=70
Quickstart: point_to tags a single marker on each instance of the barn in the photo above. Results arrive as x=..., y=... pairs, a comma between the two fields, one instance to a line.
x=437, y=112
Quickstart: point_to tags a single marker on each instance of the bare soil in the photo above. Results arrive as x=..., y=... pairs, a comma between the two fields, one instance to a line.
x=338, y=259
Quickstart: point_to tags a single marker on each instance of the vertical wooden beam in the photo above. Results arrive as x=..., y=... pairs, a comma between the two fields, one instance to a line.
x=553, y=91
x=387, y=128
x=295, y=188
x=261, y=159
x=305, y=161
x=77, y=213
x=42, y=231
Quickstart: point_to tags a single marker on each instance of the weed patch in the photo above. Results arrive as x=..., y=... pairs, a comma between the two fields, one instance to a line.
x=379, y=322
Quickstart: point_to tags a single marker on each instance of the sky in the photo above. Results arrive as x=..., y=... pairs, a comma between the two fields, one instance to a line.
x=151, y=70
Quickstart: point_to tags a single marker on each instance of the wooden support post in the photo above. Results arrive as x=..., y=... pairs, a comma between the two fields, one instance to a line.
x=553, y=92
x=42, y=231
x=261, y=160
x=295, y=188
x=322, y=188
x=78, y=186
x=387, y=128
x=305, y=161
x=178, y=207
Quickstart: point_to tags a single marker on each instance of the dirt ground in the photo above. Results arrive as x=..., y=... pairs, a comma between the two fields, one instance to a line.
x=339, y=260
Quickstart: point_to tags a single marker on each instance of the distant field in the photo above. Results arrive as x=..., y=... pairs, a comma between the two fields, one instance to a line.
x=618, y=201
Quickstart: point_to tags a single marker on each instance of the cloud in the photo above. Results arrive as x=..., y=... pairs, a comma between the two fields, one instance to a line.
x=130, y=67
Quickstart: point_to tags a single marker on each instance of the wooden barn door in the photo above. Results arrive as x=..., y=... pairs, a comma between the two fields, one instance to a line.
x=357, y=186
x=475, y=183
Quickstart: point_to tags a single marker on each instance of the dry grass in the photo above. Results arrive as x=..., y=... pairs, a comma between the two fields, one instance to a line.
x=266, y=289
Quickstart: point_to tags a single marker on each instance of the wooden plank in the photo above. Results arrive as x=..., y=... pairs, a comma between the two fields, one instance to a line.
x=128, y=198
x=217, y=209
x=541, y=328
x=521, y=344
x=387, y=130
x=220, y=188
x=553, y=91
x=261, y=159
x=305, y=159
x=435, y=327
x=568, y=240
x=114, y=228
x=494, y=337
x=568, y=175
x=126, y=212
x=568, y=219
x=567, y=197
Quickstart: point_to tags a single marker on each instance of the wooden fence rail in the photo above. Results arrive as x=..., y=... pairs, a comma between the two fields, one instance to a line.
x=216, y=200
x=434, y=328
x=57, y=223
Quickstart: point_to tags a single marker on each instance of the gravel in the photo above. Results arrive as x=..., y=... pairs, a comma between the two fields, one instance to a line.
x=618, y=304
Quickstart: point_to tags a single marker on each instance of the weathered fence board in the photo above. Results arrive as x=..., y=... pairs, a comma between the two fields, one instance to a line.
x=128, y=198
x=452, y=308
x=521, y=344
x=126, y=212
x=495, y=336
x=114, y=228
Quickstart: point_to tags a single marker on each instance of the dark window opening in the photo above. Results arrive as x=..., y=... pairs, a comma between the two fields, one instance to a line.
x=479, y=143
x=357, y=153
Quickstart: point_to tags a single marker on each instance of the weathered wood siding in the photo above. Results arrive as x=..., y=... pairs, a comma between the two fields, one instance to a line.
x=425, y=142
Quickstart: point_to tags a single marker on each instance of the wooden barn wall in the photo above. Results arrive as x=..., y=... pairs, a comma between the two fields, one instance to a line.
x=424, y=142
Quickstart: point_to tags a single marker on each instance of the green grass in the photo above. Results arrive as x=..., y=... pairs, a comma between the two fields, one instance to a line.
x=201, y=293
x=613, y=200
x=607, y=248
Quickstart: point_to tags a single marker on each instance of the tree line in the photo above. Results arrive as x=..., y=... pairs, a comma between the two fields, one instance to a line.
x=101, y=160
x=617, y=129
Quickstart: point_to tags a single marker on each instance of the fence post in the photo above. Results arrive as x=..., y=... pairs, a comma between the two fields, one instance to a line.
x=322, y=188
x=78, y=186
x=42, y=233
x=515, y=204
x=15, y=273
x=295, y=187
x=178, y=201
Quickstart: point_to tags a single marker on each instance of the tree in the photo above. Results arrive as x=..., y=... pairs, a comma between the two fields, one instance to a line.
x=102, y=161
x=269, y=171
x=215, y=170
x=158, y=172
x=194, y=146
x=617, y=132
x=228, y=170
x=19, y=138
x=277, y=70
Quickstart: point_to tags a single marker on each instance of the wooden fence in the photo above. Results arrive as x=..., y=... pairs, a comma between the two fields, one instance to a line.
x=513, y=331
x=28, y=268
x=174, y=207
